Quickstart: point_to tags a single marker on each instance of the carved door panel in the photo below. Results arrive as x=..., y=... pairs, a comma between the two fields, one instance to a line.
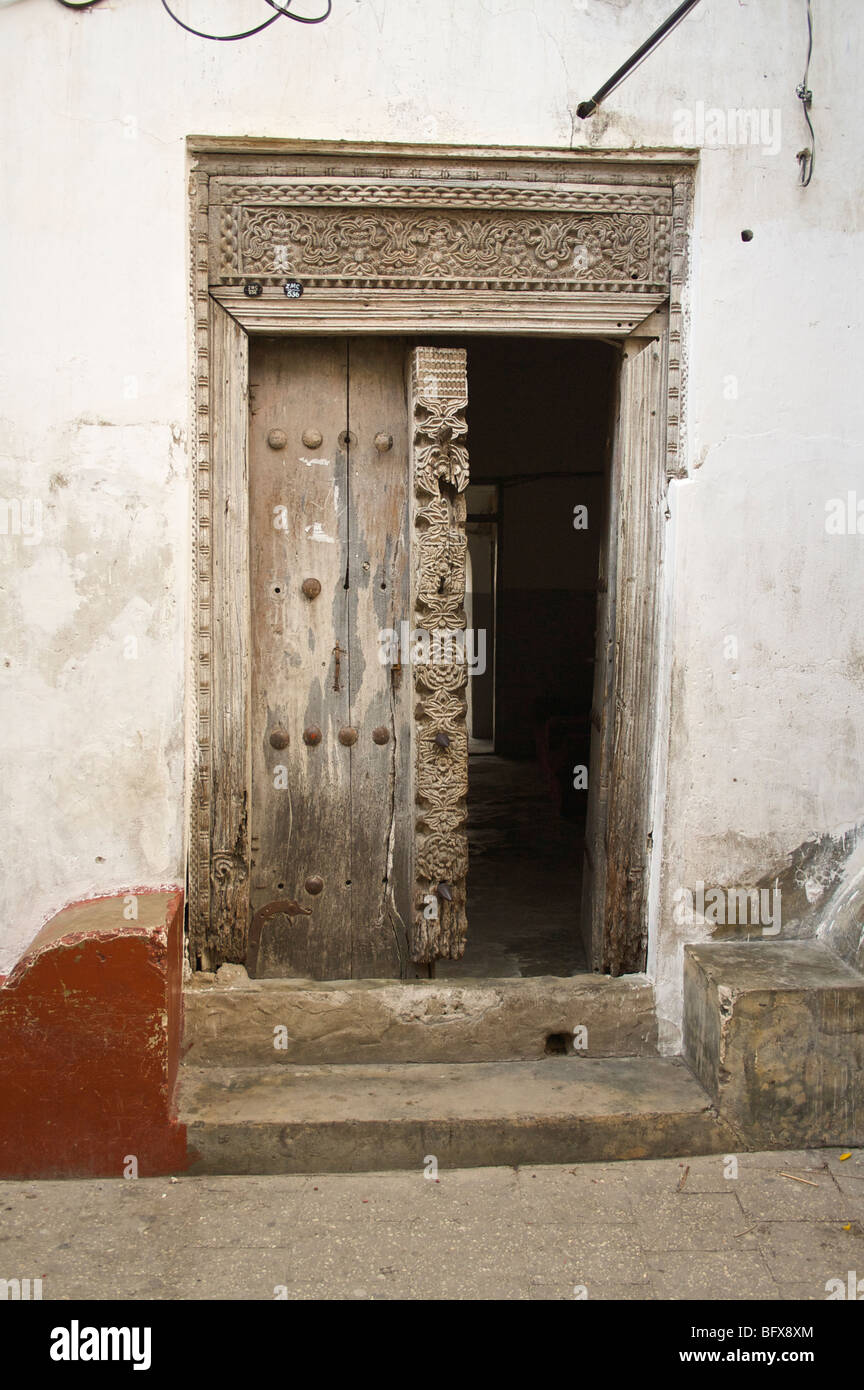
x=357, y=538
x=438, y=389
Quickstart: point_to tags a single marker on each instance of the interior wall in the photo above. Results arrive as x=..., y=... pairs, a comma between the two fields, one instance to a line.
x=480, y=613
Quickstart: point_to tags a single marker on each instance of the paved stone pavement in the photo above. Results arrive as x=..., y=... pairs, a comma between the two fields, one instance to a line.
x=659, y=1229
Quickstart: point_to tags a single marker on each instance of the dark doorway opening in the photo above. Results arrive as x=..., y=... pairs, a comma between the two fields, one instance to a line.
x=540, y=419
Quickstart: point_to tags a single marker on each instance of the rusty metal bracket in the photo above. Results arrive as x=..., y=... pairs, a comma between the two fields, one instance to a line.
x=338, y=653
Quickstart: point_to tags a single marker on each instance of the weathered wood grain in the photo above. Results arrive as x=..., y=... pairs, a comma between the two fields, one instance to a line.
x=594, y=865
x=378, y=599
x=335, y=512
x=638, y=538
x=299, y=519
x=225, y=934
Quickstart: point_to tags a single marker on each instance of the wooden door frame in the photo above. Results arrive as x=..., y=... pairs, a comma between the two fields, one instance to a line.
x=401, y=239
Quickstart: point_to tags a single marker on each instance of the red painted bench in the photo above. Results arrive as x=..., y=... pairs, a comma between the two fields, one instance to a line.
x=90, y=1026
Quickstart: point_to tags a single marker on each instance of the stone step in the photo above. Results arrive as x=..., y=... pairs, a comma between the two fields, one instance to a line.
x=234, y=1021
x=325, y=1119
x=775, y=1032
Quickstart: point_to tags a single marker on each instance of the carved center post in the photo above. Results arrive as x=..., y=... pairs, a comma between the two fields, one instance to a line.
x=439, y=398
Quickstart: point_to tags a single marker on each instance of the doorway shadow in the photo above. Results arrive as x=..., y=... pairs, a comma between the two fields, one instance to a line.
x=525, y=879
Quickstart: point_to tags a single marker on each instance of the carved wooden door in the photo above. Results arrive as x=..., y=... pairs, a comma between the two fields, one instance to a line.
x=349, y=878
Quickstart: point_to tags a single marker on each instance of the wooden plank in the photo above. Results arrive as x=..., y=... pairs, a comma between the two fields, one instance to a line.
x=379, y=699
x=351, y=310
x=639, y=536
x=225, y=935
x=594, y=862
x=299, y=518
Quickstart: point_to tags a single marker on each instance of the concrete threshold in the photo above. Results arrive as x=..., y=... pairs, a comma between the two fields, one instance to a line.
x=362, y=1118
x=234, y=1021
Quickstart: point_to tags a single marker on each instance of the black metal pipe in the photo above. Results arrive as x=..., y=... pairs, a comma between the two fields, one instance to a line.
x=587, y=108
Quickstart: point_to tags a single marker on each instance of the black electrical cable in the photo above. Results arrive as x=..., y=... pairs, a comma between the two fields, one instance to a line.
x=219, y=38
x=299, y=18
x=807, y=158
x=281, y=13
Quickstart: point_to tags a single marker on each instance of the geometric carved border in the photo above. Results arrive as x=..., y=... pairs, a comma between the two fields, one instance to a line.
x=405, y=239
x=200, y=771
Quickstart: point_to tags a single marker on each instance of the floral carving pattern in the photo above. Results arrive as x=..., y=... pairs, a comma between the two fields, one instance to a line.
x=330, y=245
x=439, y=396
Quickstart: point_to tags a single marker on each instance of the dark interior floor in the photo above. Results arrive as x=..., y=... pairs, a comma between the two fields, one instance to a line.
x=524, y=879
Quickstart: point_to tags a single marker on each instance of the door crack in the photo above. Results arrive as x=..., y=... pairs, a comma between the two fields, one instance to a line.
x=389, y=908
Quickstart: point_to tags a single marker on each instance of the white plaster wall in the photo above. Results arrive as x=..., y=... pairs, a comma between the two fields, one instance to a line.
x=95, y=395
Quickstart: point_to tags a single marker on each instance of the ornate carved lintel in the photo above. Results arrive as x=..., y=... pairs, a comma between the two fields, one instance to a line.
x=386, y=248
x=470, y=232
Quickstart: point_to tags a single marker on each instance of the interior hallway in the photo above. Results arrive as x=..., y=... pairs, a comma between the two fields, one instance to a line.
x=524, y=878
